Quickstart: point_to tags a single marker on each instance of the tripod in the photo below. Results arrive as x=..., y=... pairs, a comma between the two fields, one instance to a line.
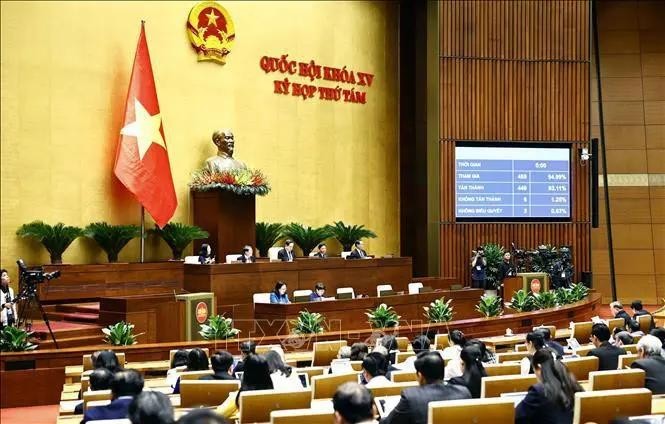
x=28, y=296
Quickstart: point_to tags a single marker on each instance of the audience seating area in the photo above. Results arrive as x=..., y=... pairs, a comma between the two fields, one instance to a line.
x=608, y=394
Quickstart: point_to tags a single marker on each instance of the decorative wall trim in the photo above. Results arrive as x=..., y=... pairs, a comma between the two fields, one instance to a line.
x=634, y=180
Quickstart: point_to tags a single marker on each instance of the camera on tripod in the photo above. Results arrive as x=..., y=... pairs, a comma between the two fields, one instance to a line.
x=34, y=275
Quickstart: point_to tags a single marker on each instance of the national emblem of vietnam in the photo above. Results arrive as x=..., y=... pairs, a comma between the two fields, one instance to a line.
x=211, y=31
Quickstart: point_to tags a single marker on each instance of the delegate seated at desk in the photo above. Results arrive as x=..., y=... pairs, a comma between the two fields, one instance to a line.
x=279, y=295
x=318, y=294
x=247, y=255
x=358, y=252
x=322, y=250
x=287, y=254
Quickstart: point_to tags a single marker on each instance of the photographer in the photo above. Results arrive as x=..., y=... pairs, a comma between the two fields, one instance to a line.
x=8, y=313
x=478, y=265
x=506, y=268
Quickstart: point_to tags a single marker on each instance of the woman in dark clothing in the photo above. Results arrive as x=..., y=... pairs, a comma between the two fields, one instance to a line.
x=474, y=371
x=197, y=360
x=552, y=399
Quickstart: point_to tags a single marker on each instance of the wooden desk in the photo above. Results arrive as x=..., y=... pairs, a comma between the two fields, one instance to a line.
x=348, y=314
x=234, y=284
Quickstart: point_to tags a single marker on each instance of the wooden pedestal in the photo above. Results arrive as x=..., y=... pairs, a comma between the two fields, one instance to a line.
x=228, y=217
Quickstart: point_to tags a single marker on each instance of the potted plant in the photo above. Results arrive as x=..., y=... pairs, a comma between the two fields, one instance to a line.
x=494, y=257
x=489, y=306
x=308, y=323
x=383, y=316
x=13, y=339
x=306, y=237
x=564, y=296
x=346, y=235
x=178, y=236
x=545, y=300
x=522, y=301
x=578, y=292
x=218, y=328
x=439, y=311
x=120, y=334
x=266, y=236
x=55, y=238
x=111, y=238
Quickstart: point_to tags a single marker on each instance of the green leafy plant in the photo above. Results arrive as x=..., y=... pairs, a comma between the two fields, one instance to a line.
x=55, y=238
x=112, y=238
x=308, y=323
x=346, y=235
x=13, y=339
x=523, y=301
x=545, y=300
x=489, y=306
x=306, y=237
x=494, y=257
x=218, y=328
x=120, y=334
x=267, y=235
x=439, y=310
x=383, y=316
x=578, y=292
x=564, y=296
x=178, y=236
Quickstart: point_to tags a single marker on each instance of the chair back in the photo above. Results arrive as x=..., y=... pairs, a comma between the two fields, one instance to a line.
x=613, y=323
x=261, y=297
x=344, y=255
x=88, y=365
x=403, y=343
x=343, y=290
x=414, y=288
x=631, y=348
x=310, y=371
x=95, y=396
x=581, y=331
x=383, y=288
x=272, y=253
x=194, y=260
x=510, y=356
x=194, y=375
x=302, y=416
x=625, y=361
x=403, y=376
x=256, y=405
x=401, y=356
x=299, y=293
x=325, y=352
x=325, y=386
x=196, y=393
x=232, y=258
x=263, y=349
x=584, y=350
x=552, y=329
x=616, y=379
x=581, y=367
x=493, y=386
x=502, y=369
x=645, y=323
x=441, y=341
x=393, y=389
x=604, y=406
x=173, y=351
x=467, y=411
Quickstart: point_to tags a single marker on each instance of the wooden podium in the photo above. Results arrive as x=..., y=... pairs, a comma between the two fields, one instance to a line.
x=229, y=218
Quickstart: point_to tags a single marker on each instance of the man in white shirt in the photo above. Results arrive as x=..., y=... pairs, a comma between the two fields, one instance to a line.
x=419, y=344
x=375, y=367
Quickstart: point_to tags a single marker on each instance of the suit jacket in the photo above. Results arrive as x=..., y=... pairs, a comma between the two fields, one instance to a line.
x=412, y=407
x=555, y=346
x=221, y=376
x=355, y=254
x=320, y=255
x=628, y=321
x=115, y=410
x=536, y=408
x=654, y=367
x=608, y=356
x=283, y=256
x=244, y=259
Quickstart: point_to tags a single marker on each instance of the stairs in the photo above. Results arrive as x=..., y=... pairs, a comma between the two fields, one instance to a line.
x=73, y=325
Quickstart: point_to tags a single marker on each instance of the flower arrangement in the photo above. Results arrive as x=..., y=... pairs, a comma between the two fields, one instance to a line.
x=239, y=181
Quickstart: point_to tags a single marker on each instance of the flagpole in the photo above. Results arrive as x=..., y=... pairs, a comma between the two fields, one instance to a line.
x=142, y=233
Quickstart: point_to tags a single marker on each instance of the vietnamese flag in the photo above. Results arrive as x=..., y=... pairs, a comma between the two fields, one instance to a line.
x=142, y=160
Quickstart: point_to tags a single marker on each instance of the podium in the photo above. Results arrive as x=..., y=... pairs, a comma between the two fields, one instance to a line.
x=528, y=278
x=197, y=311
x=510, y=286
x=229, y=218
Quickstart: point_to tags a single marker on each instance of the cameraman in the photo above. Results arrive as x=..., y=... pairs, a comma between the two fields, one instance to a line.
x=478, y=265
x=506, y=268
x=8, y=309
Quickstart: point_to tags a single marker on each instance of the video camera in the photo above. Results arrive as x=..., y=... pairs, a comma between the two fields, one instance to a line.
x=34, y=275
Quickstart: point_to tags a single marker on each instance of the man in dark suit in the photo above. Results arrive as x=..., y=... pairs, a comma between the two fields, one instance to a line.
x=322, y=251
x=246, y=348
x=358, y=252
x=247, y=255
x=638, y=311
x=608, y=355
x=649, y=351
x=353, y=404
x=287, y=254
x=100, y=379
x=618, y=312
x=412, y=407
x=125, y=386
x=222, y=365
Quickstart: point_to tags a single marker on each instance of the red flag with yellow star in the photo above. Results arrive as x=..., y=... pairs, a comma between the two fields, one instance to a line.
x=142, y=160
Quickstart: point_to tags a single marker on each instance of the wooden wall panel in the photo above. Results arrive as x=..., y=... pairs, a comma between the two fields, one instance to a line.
x=513, y=71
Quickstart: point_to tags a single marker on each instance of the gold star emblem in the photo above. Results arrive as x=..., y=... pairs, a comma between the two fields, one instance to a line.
x=212, y=18
x=145, y=128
